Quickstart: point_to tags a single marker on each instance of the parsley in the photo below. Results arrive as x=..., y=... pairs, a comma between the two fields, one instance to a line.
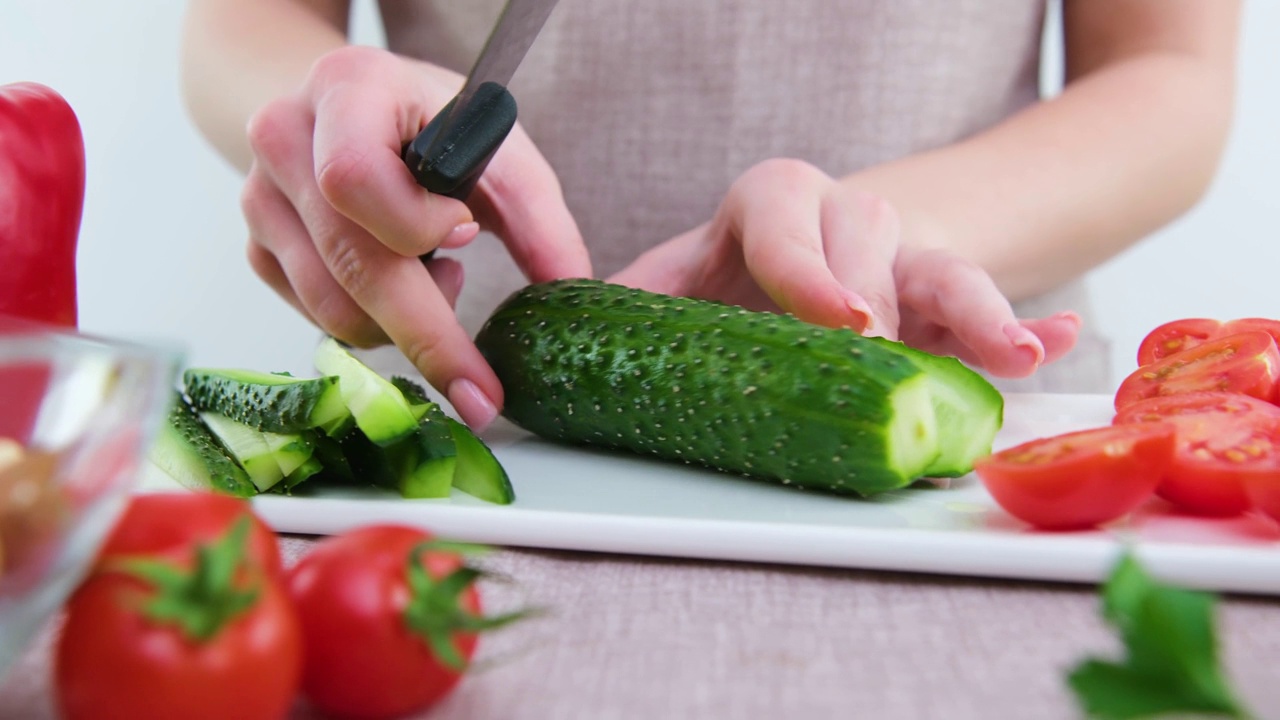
x=1171, y=663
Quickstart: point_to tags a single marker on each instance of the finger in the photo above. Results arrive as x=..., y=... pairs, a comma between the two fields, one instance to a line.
x=275, y=226
x=1058, y=333
x=521, y=197
x=667, y=268
x=360, y=171
x=860, y=238
x=447, y=274
x=956, y=294
x=775, y=210
x=268, y=269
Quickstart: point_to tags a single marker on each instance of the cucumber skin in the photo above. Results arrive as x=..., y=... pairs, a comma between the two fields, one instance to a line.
x=184, y=431
x=287, y=407
x=757, y=394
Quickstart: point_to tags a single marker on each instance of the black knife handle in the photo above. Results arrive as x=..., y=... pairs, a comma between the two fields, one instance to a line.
x=451, y=164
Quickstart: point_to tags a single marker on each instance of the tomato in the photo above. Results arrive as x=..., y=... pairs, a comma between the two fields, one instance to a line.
x=1079, y=479
x=1187, y=333
x=171, y=522
x=1263, y=491
x=1247, y=363
x=212, y=637
x=370, y=602
x=1222, y=438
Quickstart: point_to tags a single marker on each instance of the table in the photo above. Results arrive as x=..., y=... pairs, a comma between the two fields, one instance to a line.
x=644, y=637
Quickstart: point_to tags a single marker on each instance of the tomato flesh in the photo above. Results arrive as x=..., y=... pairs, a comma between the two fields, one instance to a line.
x=1184, y=334
x=1222, y=438
x=1079, y=479
x=1246, y=363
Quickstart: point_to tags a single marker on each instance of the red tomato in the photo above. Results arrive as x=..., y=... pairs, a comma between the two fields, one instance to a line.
x=1263, y=490
x=172, y=522
x=1247, y=363
x=1222, y=438
x=354, y=596
x=1079, y=479
x=121, y=654
x=1187, y=333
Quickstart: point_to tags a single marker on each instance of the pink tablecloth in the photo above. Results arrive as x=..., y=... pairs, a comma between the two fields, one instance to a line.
x=646, y=638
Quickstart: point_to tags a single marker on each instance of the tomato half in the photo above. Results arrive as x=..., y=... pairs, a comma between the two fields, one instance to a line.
x=1187, y=333
x=1079, y=479
x=1222, y=438
x=171, y=523
x=1247, y=363
x=1263, y=490
x=355, y=597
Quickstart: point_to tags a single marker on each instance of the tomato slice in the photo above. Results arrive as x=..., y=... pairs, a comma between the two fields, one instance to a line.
x=1184, y=334
x=1174, y=336
x=1246, y=362
x=1263, y=490
x=1222, y=439
x=1079, y=479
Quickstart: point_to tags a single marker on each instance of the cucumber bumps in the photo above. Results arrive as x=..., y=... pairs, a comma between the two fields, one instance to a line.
x=757, y=394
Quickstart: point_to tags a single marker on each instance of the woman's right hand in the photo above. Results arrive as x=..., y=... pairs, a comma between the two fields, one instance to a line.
x=337, y=223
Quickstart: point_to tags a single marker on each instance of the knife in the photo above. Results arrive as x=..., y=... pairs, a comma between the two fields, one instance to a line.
x=450, y=153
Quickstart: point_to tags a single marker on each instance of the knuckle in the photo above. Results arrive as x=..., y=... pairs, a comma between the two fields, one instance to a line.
x=783, y=171
x=339, y=174
x=268, y=128
x=348, y=266
x=255, y=198
x=424, y=352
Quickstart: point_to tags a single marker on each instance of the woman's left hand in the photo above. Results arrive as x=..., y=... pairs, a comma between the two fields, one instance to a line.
x=788, y=237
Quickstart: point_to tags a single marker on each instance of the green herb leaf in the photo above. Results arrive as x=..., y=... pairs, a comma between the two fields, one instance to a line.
x=1171, y=663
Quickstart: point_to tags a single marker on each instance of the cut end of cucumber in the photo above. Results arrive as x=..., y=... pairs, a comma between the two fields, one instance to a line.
x=912, y=430
x=379, y=408
x=479, y=474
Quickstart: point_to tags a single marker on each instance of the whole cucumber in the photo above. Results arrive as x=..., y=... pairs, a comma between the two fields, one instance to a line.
x=757, y=394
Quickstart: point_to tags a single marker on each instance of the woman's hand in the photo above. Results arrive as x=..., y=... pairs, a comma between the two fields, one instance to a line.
x=789, y=237
x=337, y=223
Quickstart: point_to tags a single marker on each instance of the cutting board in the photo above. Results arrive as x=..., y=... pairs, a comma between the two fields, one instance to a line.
x=579, y=499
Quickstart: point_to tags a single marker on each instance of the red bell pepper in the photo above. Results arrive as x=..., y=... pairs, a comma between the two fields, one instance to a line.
x=41, y=202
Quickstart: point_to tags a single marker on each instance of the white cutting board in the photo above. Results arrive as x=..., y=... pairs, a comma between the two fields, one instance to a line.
x=579, y=499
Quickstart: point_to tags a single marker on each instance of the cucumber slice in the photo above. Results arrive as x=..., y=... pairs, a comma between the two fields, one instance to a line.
x=188, y=452
x=248, y=447
x=308, y=469
x=273, y=402
x=479, y=473
x=381, y=412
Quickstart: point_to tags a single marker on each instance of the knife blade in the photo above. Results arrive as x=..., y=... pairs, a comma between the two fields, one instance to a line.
x=450, y=153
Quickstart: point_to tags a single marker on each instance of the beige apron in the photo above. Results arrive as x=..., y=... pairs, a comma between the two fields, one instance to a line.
x=649, y=110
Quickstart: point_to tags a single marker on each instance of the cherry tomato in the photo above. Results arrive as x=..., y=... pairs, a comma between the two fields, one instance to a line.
x=212, y=638
x=370, y=601
x=1187, y=333
x=1079, y=479
x=172, y=522
x=1222, y=438
x=1246, y=362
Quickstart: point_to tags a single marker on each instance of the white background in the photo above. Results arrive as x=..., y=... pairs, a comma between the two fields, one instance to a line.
x=161, y=249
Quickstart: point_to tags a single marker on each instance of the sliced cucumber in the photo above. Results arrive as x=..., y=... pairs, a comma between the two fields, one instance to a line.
x=479, y=473
x=248, y=447
x=308, y=469
x=380, y=410
x=272, y=402
x=188, y=452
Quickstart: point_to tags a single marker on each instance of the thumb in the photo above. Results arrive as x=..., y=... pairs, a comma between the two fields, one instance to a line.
x=520, y=200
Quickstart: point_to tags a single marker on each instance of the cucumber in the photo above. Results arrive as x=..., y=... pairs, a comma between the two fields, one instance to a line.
x=969, y=410
x=188, y=452
x=274, y=402
x=248, y=447
x=379, y=409
x=756, y=394
x=478, y=473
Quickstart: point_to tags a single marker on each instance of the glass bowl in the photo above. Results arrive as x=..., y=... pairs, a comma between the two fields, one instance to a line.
x=77, y=415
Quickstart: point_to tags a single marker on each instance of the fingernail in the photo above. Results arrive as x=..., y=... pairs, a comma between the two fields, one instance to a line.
x=1024, y=338
x=476, y=409
x=461, y=235
x=1069, y=315
x=860, y=307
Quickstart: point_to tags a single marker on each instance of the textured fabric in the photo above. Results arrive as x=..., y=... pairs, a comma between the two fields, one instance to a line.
x=676, y=639
x=648, y=111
